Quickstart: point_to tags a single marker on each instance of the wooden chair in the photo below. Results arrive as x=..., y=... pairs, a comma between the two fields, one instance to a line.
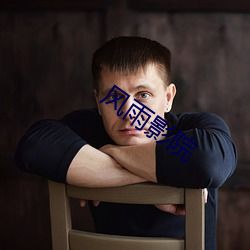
x=65, y=238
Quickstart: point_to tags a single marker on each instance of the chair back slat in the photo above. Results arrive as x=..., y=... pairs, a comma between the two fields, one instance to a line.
x=132, y=194
x=86, y=240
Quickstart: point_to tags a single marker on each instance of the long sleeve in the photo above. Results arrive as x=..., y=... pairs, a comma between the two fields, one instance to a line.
x=49, y=146
x=211, y=162
x=47, y=149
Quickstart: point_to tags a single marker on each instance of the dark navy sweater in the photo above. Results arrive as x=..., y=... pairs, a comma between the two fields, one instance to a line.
x=49, y=146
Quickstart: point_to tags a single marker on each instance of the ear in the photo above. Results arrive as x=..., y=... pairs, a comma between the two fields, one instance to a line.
x=170, y=94
x=97, y=101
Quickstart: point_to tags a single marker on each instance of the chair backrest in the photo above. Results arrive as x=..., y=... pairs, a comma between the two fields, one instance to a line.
x=65, y=238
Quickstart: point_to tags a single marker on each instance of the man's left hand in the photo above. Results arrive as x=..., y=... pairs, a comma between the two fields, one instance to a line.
x=179, y=209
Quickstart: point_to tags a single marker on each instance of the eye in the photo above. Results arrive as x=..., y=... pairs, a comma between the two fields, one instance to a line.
x=115, y=96
x=144, y=95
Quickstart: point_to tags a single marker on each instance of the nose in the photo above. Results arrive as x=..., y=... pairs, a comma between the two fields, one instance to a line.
x=125, y=108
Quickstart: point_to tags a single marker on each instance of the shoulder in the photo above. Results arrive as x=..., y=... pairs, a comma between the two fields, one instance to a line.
x=198, y=120
x=88, y=124
x=83, y=118
x=82, y=114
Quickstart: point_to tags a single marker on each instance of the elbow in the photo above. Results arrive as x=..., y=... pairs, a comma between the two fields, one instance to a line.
x=214, y=171
x=216, y=163
x=210, y=177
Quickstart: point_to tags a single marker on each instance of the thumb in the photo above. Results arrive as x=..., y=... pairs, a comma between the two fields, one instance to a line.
x=96, y=203
x=82, y=203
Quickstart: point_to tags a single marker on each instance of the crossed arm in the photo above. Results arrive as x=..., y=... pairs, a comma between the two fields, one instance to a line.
x=94, y=168
x=138, y=159
x=115, y=166
x=56, y=150
x=53, y=150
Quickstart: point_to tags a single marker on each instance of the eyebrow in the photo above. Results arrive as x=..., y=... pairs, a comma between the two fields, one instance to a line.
x=106, y=91
x=139, y=87
x=144, y=86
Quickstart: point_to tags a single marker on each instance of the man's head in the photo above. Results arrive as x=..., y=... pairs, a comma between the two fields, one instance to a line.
x=140, y=67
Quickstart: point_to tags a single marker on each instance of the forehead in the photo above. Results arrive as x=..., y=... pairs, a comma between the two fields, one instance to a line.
x=150, y=75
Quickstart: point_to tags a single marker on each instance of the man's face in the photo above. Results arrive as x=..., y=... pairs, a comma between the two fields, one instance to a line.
x=147, y=87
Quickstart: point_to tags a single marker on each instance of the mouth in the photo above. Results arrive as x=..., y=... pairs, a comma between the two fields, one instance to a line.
x=129, y=131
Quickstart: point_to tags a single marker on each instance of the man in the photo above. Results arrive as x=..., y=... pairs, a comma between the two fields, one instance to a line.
x=106, y=147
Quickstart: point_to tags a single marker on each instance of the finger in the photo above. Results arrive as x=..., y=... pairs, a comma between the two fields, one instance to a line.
x=96, y=203
x=205, y=195
x=180, y=210
x=172, y=209
x=169, y=208
x=82, y=203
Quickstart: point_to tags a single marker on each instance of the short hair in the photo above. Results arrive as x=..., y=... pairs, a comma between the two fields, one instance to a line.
x=128, y=54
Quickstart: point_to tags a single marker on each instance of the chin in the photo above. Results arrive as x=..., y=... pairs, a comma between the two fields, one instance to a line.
x=133, y=141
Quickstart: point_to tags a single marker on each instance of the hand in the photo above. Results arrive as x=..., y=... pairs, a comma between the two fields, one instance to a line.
x=138, y=159
x=178, y=209
x=83, y=203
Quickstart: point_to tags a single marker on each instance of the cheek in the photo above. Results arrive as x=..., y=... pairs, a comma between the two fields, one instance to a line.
x=159, y=107
x=109, y=116
x=105, y=110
